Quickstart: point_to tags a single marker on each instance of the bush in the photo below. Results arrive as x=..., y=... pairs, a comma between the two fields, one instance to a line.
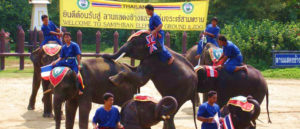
x=257, y=38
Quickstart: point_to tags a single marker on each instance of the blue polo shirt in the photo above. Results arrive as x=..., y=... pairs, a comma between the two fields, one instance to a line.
x=213, y=30
x=206, y=111
x=154, y=22
x=70, y=51
x=107, y=118
x=47, y=29
x=231, y=50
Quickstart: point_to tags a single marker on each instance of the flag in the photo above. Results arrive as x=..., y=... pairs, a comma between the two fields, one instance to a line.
x=45, y=71
x=217, y=120
x=227, y=122
x=151, y=43
x=211, y=71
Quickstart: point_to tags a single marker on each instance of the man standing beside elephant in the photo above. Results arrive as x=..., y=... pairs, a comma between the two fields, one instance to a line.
x=108, y=116
x=211, y=33
x=70, y=56
x=231, y=58
x=155, y=27
x=208, y=110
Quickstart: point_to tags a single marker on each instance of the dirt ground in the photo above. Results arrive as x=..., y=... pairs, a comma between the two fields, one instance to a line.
x=14, y=97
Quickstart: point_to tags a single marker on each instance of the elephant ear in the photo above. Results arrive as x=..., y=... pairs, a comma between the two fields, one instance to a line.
x=35, y=56
x=166, y=106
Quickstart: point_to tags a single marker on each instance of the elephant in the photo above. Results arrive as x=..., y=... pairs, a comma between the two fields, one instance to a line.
x=178, y=80
x=242, y=119
x=229, y=85
x=205, y=56
x=95, y=74
x=39, y=58
x=144, y=114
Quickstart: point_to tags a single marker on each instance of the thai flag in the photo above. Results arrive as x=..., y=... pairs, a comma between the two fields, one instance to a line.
x=227, y=122
x=151, y=43
x=211, y=71
x=45, y=71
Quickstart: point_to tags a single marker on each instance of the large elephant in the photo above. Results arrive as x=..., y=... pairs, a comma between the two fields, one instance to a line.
x=95, y=74
x=144, y=114
x=229, y=85
x=242, y=119
x=39, y=58
x=178, y=79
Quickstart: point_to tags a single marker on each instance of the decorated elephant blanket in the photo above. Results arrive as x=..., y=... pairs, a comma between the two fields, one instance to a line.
x=144, y=98
x=51, y=49
x=58, y=73
x=215, y=53
x=241, y=101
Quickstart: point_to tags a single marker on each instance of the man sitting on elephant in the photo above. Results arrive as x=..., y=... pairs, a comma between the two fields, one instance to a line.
x=231, y=58
x=208, y=110
x=50, y=31
x=108, y=116
x=69, y=56
x=155, y=27
x=211, y=33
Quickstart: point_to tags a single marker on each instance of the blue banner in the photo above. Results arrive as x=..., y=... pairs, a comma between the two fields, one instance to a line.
x=287, y=59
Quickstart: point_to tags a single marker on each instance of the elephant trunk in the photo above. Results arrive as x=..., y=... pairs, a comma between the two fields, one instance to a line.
x=167, y=106
x=119, y=54
x=256, y=107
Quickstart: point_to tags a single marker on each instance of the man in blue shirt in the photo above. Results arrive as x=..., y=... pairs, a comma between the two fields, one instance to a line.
x=50, y=31
x=208, y=110
x=211, y=33
x=108, y=116
x=155, y=27
x=69, y=56
x=231, y=58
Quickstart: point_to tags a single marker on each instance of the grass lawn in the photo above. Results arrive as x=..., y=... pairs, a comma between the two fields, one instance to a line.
x=287, y=73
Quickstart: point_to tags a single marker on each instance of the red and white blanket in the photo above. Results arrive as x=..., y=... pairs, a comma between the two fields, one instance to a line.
x=211, y=71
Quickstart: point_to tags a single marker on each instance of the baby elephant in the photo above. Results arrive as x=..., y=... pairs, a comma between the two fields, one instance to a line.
x=142, y=112
x=242, y=119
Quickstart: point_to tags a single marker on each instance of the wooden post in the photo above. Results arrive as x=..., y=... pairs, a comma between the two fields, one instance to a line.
x=41, y=37
x=168, y=39
x=132, y=61
x=30, y=40
x=17, y=39
x=116, y=41
x=34, y=38
x=184, y=37
x=98, y=41
x=64, y=29
x=79, y=38
x=2, y=49
x=21, y=47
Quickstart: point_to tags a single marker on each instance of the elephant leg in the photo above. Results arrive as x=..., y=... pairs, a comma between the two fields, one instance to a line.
x=47, y=100
x=57, y=103
x=71, y=107
x=169, y=123
x=35, y=87
x=84, y=111
x=205, y=98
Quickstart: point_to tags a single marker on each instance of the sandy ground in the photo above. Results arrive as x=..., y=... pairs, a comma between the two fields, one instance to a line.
x=14, y=97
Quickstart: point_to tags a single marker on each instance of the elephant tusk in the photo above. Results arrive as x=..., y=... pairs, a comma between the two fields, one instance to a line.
x=47, y=91
x=120, y=56
x=165, y=117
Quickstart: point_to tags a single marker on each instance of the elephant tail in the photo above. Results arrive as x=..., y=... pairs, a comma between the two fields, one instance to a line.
x=267, y=106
